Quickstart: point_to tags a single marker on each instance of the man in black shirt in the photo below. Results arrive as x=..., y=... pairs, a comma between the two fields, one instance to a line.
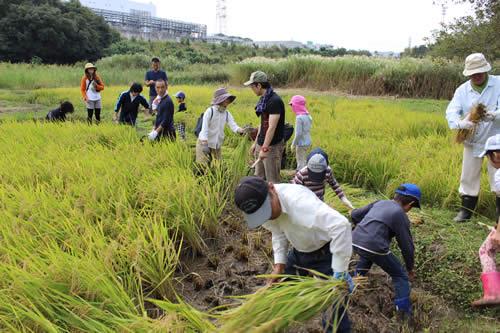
x=59, y=114
x=269, y=144
x=164, y=124
x=129, y=102
x=152, y=76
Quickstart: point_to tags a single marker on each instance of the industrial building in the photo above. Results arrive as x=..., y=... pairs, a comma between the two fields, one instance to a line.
x=134, y=19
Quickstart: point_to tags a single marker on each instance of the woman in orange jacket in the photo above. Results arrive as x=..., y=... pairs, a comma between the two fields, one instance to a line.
x=90, y=87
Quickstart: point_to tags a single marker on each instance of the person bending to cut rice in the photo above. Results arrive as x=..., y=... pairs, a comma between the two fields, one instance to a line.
x=319, y=235
x=484, y=89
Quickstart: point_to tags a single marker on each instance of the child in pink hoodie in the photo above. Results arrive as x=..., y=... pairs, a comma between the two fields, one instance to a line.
x=303, y=122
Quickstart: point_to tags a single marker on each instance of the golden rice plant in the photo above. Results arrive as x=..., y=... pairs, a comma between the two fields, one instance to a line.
x=274, y=308
x=476, y=115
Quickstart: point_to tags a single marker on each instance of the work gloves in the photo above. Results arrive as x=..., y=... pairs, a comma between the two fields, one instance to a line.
x=345, y=276
x=347, y=203
x=465, y=124
x=153, y=135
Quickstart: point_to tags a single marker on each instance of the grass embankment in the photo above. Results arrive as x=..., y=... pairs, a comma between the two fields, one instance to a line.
x=356, y=75
x=115, y=70
x=408, y=77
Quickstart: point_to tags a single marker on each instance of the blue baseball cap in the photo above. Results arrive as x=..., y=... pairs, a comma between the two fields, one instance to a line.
x=410, y=190
x=181, y=95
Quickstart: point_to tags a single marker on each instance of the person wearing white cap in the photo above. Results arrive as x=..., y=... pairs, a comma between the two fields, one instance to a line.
x=320, y=236
x=481, y=88
x=211, y=136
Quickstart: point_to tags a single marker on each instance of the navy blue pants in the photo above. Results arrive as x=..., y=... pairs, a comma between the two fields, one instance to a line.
x=321, y=261
x=390, y=264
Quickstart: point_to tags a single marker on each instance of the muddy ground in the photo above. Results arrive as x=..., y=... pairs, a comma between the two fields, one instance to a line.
x=237, y=256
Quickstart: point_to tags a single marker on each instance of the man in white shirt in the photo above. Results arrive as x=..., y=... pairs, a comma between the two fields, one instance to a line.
x=320, y=236
x=211, y=136
x=482, y=88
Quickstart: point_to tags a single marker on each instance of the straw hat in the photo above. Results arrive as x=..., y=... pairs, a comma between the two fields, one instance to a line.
x=89, y=66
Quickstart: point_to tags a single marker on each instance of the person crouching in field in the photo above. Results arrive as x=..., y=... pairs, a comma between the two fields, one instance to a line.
x=91, y=87
x=128, y=105
x=316, y=174
x=320, y=237
x=490, y=276
x=180, y=114
x=164, y=123
x=60, y=113
x=211, y=137
x=303, y=121
x=376, y=225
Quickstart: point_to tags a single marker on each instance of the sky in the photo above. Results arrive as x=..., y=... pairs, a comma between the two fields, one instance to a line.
x=374, y=25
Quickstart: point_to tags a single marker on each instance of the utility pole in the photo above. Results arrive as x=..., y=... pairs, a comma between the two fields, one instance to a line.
x=221, y=17
x=443, y=13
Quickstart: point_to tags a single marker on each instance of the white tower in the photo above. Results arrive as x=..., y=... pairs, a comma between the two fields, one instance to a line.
x=221, y=17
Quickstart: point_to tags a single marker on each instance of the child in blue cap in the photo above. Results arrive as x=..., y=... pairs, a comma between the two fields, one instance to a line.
x=376, y=225
x=180, y=114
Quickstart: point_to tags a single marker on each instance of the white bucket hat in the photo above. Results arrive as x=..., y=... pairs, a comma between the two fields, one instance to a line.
x=476, y=63
x=493, y=143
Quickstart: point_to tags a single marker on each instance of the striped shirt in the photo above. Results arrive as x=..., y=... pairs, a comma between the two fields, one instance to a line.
x=302, y=178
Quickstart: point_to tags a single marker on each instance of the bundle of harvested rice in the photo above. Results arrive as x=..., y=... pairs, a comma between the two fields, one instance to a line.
x=477, y=114
x=274, y=308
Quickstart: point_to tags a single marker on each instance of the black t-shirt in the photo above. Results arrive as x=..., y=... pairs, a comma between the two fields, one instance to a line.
x=165, y=115
x=56, y=115
x=274, y=105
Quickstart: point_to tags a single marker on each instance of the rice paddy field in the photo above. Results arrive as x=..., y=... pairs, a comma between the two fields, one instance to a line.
x=100, y=232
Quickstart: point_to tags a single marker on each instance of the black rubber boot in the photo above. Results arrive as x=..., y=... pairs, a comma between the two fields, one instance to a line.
x=497, y=201
x=468, y=205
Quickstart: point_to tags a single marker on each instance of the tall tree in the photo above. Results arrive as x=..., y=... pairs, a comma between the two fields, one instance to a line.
x=478, y=33
x=52, y=30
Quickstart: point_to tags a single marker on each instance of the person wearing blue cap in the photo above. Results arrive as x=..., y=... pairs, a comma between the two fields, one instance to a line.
x=376, y=225
x=180, y=114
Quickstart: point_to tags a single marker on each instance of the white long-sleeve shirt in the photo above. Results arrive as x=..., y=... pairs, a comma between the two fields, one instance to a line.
x=307, y=223
x=212, y=129
x=465, y=98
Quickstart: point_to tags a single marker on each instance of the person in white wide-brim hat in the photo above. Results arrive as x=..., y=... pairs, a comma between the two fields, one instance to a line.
x=481, y=88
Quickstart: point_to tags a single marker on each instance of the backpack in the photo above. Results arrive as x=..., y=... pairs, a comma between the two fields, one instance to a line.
x=199, y=122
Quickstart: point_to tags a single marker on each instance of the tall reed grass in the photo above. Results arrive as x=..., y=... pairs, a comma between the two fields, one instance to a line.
x=357, y=75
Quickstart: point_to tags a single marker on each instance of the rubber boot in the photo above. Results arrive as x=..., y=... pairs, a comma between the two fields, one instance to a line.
x=468, y=205
x=491, y=290
x=497, y=202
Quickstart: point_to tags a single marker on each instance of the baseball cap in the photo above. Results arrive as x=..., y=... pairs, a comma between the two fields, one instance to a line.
x=257, y=77
x=252, y=198
x=410, y=190
x=493, y=143
x=317, y=164
x=180, y=94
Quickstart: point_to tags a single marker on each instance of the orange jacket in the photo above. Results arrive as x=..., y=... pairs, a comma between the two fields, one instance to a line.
x=83, y=85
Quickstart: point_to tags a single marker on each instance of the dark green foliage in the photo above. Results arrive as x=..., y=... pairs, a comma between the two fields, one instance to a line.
x=53, y=31
x=478, y=33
